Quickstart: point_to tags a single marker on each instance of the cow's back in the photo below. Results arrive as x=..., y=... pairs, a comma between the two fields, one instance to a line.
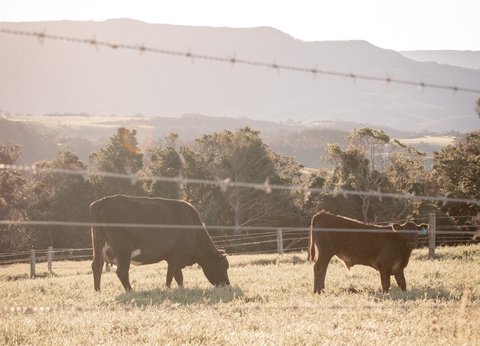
x=354, y=242
x=143, y=213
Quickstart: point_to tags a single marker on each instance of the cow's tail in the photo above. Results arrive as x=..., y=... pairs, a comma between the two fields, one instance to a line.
x=98, y=242
x=311, y=248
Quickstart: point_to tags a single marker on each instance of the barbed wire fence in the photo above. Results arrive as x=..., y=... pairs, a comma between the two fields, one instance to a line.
x=226, y=183
x=264, y=238
x=270, y=235
x=41, y=36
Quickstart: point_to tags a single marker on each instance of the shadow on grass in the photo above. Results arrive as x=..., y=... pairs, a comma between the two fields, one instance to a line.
x=183, y=296
x=257, y=262
x=417, y=294
x=269, y=261
x=412, y=294
x=26, y=276
x=461, y=254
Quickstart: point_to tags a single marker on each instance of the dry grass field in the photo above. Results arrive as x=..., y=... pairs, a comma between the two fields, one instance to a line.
x=270, y=302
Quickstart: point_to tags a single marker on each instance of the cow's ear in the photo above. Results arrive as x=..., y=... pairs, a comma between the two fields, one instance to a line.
x=423, y=228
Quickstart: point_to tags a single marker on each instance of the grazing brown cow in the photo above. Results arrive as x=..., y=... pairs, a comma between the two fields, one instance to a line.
x=179, y=246
x=380, y=247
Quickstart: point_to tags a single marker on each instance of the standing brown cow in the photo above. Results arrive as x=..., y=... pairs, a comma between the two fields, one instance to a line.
x=384, y=248
x=117, y=242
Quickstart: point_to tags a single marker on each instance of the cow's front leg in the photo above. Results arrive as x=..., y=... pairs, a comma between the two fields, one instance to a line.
x=385, y=277
x=402, y=283
x=123, y=266
x=178, y=275
x=171, y=272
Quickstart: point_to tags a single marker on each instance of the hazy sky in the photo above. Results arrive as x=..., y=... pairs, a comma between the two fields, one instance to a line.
x=399, y=24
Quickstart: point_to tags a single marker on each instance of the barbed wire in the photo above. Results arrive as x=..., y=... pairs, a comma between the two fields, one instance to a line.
x=224, y=184
x=210, y=227
x=42, y=36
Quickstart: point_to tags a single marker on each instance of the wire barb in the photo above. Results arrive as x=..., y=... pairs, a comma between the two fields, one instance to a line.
x=41, y=36
x=141, y=49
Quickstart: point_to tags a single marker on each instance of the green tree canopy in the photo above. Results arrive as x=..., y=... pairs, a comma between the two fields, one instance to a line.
x=123, y=156
x=13, y=199
x=242, y=157
x=61, y=197
x=456, y=173
x=477, y=107
x=373, y=162
x=166, y=162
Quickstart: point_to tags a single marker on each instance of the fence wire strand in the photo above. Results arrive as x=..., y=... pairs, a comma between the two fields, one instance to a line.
x=42, y=36
x=267, y=187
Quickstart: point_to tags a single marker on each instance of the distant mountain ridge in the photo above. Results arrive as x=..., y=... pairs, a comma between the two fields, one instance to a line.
x=466, y=59
x=59, y=77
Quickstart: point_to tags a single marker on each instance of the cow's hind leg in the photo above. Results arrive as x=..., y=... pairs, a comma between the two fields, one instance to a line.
x=123, y=266
x=97, y=266
x=320, y=272
x=400, y=278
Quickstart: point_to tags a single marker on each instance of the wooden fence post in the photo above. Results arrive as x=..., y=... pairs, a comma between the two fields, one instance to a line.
x=32, y=263
x=49, y=258
x=279, y=241
x=432, y=230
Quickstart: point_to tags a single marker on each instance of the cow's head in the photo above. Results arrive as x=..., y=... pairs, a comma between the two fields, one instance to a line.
x=215, y=269
x=411, y=232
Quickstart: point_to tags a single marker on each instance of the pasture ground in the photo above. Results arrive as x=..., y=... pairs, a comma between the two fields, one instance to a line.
x=270, y=302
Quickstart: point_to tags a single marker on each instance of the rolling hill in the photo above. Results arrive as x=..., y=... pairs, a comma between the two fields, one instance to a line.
x=53, y=76
x=466, y=59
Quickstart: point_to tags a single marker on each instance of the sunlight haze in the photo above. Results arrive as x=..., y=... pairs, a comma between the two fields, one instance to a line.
x=398, y=25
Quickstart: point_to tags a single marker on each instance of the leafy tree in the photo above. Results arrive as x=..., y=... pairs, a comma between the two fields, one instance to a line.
x=477, y=107
x=164, y=162
x=9, y=153
x=123, y=156
x=372, y=144
x=13, y=200
x=456, y=173
x=242, y=157
x=208, y=199
x=353, y=171
x=407, y=174
x=61, y=197
x=314, y=201
x=373, y=162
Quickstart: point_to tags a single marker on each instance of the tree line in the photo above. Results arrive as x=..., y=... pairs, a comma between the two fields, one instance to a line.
x=370, y=161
